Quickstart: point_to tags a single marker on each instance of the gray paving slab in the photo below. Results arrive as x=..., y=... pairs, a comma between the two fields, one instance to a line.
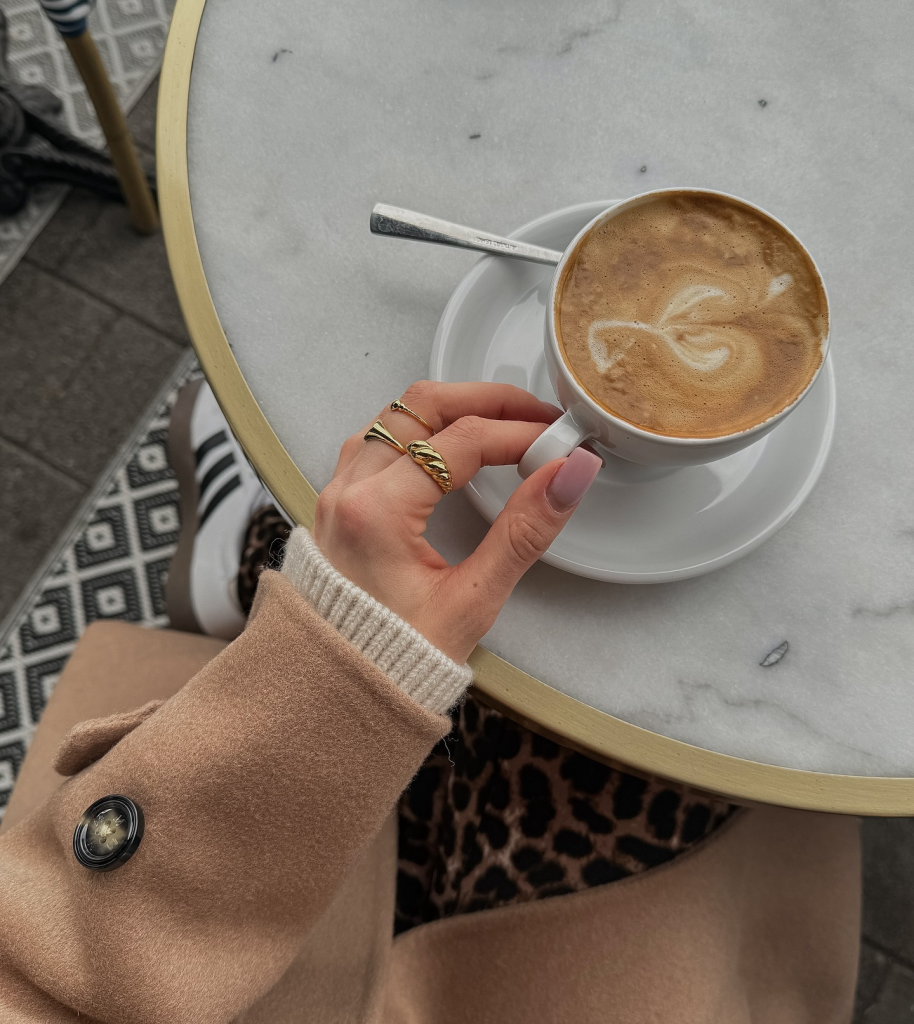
x=36, y=502
x=142, y=119
x=104, y=398
x=112, y=262
x=81, y=210
x=48, y=329
x=90, y=328
x=888, y=885
x=77, y=215
x=895, y=1004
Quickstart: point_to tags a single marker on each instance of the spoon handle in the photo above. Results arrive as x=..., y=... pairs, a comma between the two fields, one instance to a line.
x=391, y=220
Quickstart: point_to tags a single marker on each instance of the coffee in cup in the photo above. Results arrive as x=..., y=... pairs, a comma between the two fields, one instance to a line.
x=691, y=315
x=682, y=326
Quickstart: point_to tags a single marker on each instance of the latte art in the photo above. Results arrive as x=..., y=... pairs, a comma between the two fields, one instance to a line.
x=691, y=316
x=692, y=325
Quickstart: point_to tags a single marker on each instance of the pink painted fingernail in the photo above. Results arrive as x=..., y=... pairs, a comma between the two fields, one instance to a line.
x=573, y=478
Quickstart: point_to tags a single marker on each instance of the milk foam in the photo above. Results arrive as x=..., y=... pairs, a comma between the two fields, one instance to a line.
x=692, y=316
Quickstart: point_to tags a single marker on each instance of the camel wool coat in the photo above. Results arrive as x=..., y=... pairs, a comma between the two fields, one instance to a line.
x=268, y=771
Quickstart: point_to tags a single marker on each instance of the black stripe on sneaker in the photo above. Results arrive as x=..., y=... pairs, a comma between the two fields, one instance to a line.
x=208, y=445
x=224, y=491
x=214, y=471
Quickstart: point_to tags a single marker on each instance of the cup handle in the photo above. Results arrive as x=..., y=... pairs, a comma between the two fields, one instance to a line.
x=557, y=440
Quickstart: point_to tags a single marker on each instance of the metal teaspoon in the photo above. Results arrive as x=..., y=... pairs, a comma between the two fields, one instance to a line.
x=392, y=220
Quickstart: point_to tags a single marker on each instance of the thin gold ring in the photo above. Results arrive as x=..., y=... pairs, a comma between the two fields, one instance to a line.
x=424, y=455
x=397, y=406
x=378, y=432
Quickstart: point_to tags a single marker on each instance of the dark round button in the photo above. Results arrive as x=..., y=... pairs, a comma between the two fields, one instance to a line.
x=108, y=834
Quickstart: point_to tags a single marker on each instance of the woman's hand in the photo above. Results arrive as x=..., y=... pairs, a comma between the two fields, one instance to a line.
x=370, y=520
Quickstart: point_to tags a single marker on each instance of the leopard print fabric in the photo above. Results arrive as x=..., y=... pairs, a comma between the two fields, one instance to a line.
x=264, y=543
x=499, y=815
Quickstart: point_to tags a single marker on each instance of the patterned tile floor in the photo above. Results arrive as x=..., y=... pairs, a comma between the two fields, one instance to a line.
x=90, y=331
x=91, y=334
x=130, y=35
x=110, y=564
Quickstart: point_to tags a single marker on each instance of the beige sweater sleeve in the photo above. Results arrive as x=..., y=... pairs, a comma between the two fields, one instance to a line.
x=419, y=668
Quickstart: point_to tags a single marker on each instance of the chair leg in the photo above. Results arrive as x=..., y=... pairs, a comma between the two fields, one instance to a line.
x=136, y=190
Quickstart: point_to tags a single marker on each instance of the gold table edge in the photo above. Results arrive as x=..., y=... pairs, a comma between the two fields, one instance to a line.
x=497, y=682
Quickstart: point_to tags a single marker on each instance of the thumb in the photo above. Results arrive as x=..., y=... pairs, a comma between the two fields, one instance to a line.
x=529, y=523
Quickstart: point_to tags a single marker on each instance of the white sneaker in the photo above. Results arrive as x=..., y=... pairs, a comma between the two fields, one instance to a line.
x=220, y=492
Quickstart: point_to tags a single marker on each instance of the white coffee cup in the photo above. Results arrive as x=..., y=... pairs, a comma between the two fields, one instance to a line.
x=586, y=420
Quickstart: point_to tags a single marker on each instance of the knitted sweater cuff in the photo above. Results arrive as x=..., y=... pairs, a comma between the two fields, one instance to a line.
x=413, y=663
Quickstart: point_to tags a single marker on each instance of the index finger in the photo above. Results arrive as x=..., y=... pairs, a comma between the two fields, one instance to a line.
x=441, y=404
x=464, y=447
x=444, y=403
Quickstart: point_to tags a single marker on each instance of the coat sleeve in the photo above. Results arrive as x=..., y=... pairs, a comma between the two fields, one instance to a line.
x=260, y=781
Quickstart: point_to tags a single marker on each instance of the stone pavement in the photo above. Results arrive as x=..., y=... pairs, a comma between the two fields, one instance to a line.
x=89, y=330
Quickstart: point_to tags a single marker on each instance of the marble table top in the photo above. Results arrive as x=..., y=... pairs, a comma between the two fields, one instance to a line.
x=302, y=116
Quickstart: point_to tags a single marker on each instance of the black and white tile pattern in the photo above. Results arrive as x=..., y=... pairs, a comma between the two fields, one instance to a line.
x=131, y=37
x=112, y=563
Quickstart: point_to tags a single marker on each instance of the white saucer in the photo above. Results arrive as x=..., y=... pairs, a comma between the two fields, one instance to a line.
x=634, y=525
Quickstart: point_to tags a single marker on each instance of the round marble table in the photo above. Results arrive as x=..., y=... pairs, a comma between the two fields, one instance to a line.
x=297, y=118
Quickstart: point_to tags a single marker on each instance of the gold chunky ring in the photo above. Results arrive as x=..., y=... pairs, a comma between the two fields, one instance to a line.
x=397, y=406
x=424, y=455
x=378, y=432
